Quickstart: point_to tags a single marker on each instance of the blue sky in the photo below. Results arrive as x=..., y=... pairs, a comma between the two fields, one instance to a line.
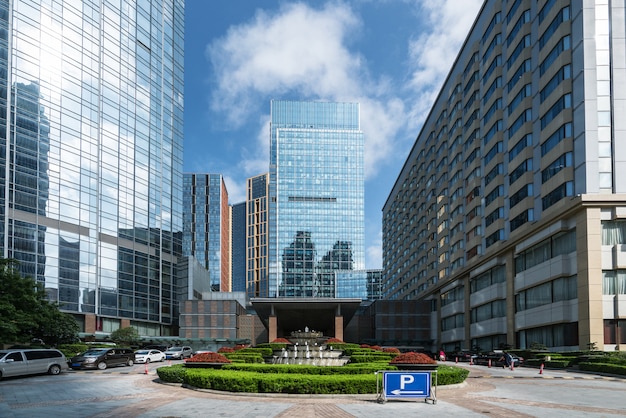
x=391, y=56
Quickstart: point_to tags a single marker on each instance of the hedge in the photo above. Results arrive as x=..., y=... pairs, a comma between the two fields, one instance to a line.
x=258, y=378
x=603, y=368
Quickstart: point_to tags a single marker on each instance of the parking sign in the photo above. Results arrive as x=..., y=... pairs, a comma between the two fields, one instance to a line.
x=401, y=384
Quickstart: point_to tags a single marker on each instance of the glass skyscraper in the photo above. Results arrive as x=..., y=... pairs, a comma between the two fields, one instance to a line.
x=91, y=127
x=206, y=226
x=316, y=196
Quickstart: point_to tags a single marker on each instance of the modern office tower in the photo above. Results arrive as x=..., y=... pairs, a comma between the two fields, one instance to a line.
x=238, y=246
x=363, y=284
x=206, y=226
x=257, y=282
x=316, y=206
x=91, y=155
x=508, y=214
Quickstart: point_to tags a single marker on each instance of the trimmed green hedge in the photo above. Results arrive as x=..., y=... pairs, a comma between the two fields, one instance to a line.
x=282, y=378
x=603, y=368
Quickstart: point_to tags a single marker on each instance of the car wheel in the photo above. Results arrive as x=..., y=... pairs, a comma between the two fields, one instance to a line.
x=147, y=360
x=54, y=369
x=130, y=362
x=102, y=365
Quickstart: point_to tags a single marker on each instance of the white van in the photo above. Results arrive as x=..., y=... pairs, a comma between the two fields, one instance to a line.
x=23, y=361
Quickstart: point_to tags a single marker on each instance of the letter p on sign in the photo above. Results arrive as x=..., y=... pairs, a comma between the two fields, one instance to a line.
x=406, y=379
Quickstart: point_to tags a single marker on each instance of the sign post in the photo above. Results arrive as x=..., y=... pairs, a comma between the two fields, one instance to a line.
x=407, y=384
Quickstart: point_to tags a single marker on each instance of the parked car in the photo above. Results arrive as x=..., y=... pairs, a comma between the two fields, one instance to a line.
x=147, y=356
x=101, y=358
x=178, y=353
x=20, y=362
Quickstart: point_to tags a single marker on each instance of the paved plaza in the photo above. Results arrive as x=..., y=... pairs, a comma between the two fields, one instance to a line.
x=493, y=392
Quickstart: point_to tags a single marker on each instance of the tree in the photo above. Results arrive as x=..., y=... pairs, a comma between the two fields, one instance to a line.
x=125, y=336
x=27, y=314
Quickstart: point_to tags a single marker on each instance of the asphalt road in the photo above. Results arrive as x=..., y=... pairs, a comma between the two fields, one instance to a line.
x=131, y=392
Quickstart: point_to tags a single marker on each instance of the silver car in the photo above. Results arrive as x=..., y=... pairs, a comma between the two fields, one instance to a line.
x=19, y=362
x=178, y=353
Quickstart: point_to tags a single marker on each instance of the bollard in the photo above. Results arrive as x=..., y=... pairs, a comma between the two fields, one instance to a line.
x=146, y=369
x=457, y=359
x=541, y=369
x=489, y=363
x=471, y=361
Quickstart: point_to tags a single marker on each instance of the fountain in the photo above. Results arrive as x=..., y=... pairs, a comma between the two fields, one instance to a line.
x=309, y=347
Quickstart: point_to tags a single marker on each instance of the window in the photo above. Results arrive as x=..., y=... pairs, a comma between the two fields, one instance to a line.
x=497, y=148
x=497, y=61
x=494, y=194
x=493, y=216
x=495, y=128
x=495, y=309
x=525, y=17
x=563, y=45
x=497, y=40
x=512, y=11
x=470, y=82
x=563, y=74
x=491, y=175
x=525, y=42
x=526, y=116
x=614, y=232
x=614, y=282
x=521, y=219
x=526, y=141
x=524, y=92
x=564, y=190
x=497, y=104
x=523, y=68
x=545, y=10
x=557, y=165
x=565, y=102
x=561, y=133
x=524, y=167
x=520, y=195
x=563, y=288
x=497, y=83
x=559, y=244
x=561, y=17
x=492, y=24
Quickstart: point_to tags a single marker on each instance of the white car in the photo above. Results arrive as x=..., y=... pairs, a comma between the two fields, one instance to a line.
x=147, y=356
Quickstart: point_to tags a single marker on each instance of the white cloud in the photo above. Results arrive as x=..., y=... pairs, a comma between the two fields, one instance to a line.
x=303, y=52
x=445, y=26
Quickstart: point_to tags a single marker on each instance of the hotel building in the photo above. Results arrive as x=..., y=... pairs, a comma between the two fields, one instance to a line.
x=508, y=216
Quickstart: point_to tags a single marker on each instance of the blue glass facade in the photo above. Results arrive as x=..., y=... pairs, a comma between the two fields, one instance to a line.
x=91, y=122
x=239, y=247
x=316, y=196
x=206, y=231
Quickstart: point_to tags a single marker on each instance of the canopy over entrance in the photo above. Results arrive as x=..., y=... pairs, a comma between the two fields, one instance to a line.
x=298, y=314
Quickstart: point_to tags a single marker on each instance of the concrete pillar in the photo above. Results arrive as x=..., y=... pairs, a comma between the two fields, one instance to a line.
x=339, y=327
x=273, y=328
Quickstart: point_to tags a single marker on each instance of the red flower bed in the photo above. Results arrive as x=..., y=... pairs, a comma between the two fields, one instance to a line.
x=376, y=347
x=281, y=341
x=333, y=341
x=226, y=350
x=364, y=346
x=208, y=358
x=240, y=347
x=412, y=358
x=391, y=350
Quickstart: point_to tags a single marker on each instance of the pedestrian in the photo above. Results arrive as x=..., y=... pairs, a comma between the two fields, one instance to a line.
x=442, y=355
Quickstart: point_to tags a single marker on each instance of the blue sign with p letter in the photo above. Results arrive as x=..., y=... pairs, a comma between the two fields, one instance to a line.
x=401, y=384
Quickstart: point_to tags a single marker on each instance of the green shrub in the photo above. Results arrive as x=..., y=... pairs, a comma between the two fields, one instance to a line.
x=172, y=374
x=284, y=378
x=240, y=357
x=371, y=357
x=603, y=368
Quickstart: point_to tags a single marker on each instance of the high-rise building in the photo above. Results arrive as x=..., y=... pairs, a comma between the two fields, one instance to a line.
x=206, y=226
x=508, y=213
x=316, y=189
x=238, y=246
x=257, y=277
x=91, y=155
